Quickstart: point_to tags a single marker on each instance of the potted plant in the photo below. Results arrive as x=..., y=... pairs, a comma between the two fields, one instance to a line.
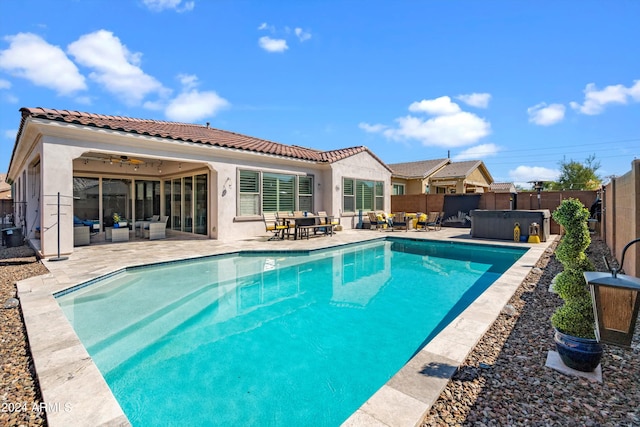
x=574, y=321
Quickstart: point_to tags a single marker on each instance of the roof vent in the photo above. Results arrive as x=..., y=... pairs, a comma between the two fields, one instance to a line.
x=207, y=125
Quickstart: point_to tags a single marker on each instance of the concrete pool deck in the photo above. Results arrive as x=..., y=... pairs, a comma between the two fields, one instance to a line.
x=76, y=393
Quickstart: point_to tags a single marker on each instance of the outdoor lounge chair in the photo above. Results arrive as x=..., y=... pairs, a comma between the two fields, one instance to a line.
x=400, y=221
x=275, y=226
x=426, y=221
x=154, y=230
x=435, y=224
x=377, y=222
x=421, y=221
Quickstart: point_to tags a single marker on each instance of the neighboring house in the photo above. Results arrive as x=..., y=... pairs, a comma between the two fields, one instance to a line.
x=440, y=176
x=5, y=188
x=413, y=177
x=207, y=181
x=6, y=203
x=503, y=187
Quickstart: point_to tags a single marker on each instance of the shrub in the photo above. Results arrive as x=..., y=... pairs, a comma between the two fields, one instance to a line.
x=575, y=316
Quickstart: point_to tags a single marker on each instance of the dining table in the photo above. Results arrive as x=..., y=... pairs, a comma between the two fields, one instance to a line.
x=298, y=222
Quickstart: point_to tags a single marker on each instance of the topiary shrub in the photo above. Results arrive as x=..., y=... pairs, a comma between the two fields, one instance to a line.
x=575, y=317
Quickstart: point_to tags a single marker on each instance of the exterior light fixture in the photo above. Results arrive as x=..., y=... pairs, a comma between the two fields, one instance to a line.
x=616, y=301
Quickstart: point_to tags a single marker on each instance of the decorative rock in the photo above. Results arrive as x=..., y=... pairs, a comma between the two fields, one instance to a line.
x=11, y=303
x=509, y=310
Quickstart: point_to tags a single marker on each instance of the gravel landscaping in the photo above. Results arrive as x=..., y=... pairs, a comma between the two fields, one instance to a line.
x=19, y=391
x=504, y=380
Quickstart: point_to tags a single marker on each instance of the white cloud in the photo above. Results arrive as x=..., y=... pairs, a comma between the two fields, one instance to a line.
x=371, y=128
x=263, y=26
x=438, y=106
x=478, y=152
x=634, y=91
x=273, y=45
x=452, y=130
x=546, y=115
x=115, y=67
x=193, y=105
x=5, y=84
x=11, y=133
x=451, y=127
x=32, y=58
x=188, y=81
x=302, y=35
x=177, y=5
x=478, y=100
x=524, y=174
x=595, y=100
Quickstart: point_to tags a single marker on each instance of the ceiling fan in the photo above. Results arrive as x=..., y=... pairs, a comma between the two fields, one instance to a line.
x=127, y=159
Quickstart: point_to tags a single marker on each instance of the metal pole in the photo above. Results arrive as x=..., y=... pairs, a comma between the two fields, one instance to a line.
x=58, y=258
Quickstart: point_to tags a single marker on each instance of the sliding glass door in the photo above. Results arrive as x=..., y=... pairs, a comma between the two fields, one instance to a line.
x=147, y=199
x=116, y=199
x=186, y=201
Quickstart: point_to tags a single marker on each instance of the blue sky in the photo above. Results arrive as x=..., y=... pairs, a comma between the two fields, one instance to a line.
x=519, y=85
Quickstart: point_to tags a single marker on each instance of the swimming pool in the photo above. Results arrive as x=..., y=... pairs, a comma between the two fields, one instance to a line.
x=273, y=338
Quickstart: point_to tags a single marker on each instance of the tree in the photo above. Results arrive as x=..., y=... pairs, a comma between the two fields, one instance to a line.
x=578, y=176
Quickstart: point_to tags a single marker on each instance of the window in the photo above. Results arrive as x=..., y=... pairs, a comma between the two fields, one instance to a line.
x=278, y=192
x=398, y=189
x=305, y=193
x=273, y=192
x=362, y=195
x=348, y=195
x=249, y=200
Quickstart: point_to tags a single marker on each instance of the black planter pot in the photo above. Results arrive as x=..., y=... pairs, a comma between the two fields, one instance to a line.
x=581, y=354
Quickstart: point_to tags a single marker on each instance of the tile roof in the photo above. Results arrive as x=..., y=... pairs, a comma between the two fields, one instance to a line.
x=502, y=187
x=420, y=169
x=458, y=169
x=191, y=133
x=4, y=186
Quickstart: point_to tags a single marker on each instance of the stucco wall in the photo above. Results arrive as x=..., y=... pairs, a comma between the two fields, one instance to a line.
x=57, y=177
x=359, y=166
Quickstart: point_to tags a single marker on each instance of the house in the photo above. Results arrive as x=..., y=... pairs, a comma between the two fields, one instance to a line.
x=208, y=182
x=440, y=176
x=503, y=187
x=6, y=203
x=5, y=188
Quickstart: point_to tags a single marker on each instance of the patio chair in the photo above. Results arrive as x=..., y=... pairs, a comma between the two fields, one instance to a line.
x=155, y=229
x=286, y=218
x=377, y=222
x=324, y=219
x=435, y=224
x=400, y=221
x=275, y=226
x=421, y=221
x=427, y=221
x=140, y=225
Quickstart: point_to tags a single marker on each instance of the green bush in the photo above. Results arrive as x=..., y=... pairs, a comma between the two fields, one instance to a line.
x=575, y=316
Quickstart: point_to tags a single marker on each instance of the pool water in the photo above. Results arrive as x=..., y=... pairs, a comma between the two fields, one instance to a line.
x=273, y=338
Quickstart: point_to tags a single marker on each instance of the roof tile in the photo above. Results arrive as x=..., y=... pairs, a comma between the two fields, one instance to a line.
x=192, y=133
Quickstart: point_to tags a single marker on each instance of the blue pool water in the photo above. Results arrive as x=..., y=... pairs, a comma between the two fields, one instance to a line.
x=274, y=338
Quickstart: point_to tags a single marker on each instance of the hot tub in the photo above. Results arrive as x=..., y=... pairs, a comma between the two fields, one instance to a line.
x=499, y=224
